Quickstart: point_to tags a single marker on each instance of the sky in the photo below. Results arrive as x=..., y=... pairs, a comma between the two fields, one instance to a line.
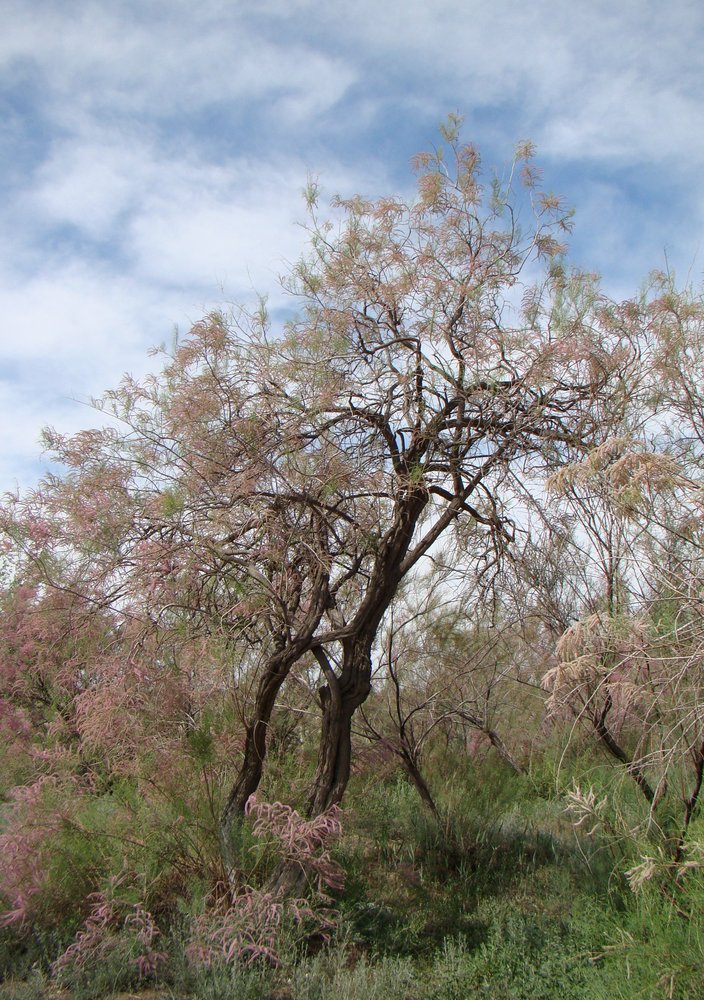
x=153, y=155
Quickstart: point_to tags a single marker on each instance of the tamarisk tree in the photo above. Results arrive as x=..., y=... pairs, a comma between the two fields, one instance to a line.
x=262, y=499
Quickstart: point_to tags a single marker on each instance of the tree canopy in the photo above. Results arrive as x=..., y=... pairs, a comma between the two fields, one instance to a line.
x=446, y=394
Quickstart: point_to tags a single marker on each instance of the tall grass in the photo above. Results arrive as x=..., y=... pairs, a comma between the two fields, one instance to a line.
x=503, y=898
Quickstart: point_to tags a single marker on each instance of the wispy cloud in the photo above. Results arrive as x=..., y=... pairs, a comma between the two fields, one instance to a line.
x=154, y=153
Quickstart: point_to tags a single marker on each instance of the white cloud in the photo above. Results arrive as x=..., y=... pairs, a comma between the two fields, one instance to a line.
x=597, y=80
x=69, y=317
x=88, y=184
x=164, y=146
x=65, y=336
x=129, y=60
x=183, y=235
x=206, y=225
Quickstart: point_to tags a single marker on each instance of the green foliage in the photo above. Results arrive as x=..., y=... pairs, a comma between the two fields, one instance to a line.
x=504, y=899
x=655, y=952
x=26, y=957
x=112, y=970
x=201, y=744
x=225, y=982
x=524, y=956
x=331, y=974
x=171, y=503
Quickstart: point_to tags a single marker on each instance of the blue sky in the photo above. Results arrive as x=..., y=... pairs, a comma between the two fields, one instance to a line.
x=154, y=153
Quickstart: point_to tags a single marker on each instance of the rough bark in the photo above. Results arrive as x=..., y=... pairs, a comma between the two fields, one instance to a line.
x=341, y=697
x=339, y=700
x=252, y=765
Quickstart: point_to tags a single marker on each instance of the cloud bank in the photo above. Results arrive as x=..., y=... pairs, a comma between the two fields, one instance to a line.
x=154, y=154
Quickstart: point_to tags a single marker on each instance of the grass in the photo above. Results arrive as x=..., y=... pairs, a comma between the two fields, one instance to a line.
x=502, y=900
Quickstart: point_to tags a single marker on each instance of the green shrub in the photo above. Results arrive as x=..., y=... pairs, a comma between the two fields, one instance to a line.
x=332, y=974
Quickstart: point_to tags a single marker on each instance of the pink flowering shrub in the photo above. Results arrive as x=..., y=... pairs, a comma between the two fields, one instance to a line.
x=31, y=825
x=15, y=745
x=244, y=925
x=113, y=929
x=300, y=842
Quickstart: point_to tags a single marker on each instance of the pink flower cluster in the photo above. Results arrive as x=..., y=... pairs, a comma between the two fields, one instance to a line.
x=107, y=918
x=301, y=842
x=243, y=926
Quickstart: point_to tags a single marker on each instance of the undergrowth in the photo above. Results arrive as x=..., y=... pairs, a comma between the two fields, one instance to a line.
x=504, y=898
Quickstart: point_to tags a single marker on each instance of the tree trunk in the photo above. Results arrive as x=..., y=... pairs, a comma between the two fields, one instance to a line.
x=691, y=803
x=495, y=740
x=287, y=652
x=339, y=699
x=504, y=752
x=252, y=766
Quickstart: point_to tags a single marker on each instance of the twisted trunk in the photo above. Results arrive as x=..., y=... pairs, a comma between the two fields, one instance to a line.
x=252, y=765
x=341, y=696
x=339, y=699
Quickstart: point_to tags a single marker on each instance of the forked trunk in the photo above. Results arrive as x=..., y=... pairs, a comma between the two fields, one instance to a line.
x=339, y=700
x=341, y=697
x=278, y=667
